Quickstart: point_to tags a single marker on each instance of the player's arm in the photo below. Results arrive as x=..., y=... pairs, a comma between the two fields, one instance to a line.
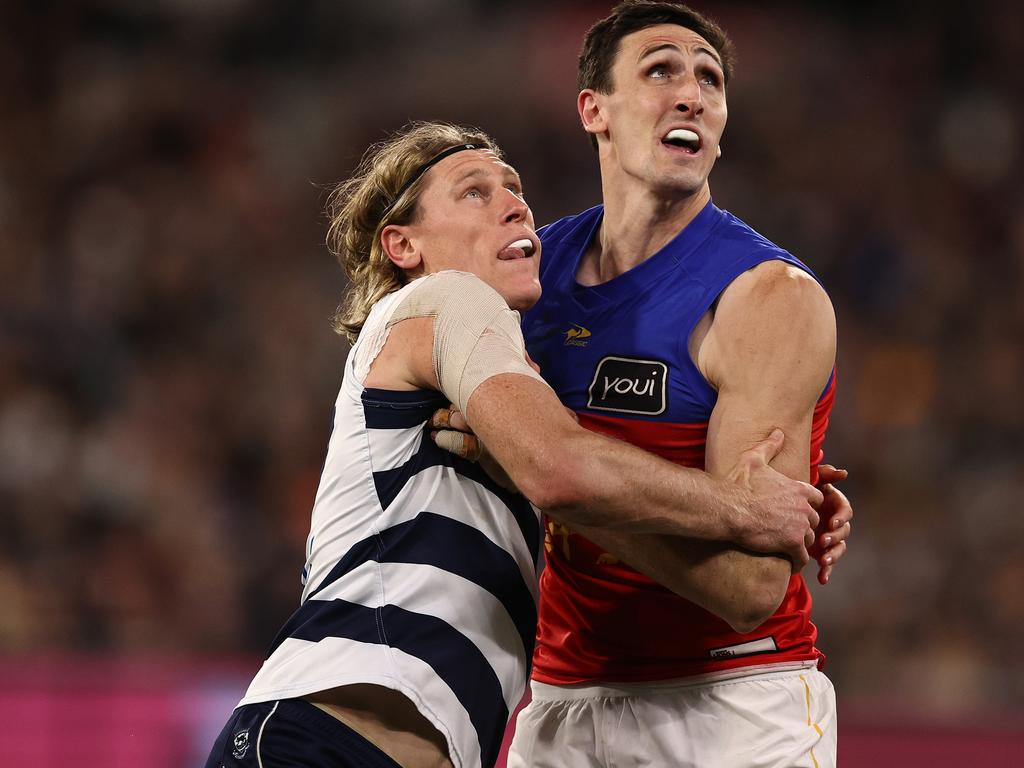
x=579, y=476
x=768, y=351
x=738, y=586
x=669, y=555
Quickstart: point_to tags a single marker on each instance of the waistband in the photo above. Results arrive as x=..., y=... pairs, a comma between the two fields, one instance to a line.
x=547, y=692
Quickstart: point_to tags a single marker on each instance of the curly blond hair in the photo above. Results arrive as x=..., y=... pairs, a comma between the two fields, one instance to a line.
x=360, y=207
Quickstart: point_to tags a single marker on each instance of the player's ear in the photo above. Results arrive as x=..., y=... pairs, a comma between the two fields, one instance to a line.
x=589, y=108
x=399, y=247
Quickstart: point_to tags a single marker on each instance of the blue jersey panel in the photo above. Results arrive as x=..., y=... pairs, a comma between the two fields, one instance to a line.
x=640, y=369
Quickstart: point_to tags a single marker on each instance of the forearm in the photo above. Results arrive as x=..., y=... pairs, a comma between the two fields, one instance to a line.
x=740, y=587
x=622, y=488
x=587, y=479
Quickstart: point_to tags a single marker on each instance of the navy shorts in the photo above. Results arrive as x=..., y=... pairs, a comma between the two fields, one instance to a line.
x=293, y=733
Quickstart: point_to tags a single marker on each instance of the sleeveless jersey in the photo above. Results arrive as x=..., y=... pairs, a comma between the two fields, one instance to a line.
x=421, y=573
x=617, y=354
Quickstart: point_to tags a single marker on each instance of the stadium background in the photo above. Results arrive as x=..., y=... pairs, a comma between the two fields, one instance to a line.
x=167, y=368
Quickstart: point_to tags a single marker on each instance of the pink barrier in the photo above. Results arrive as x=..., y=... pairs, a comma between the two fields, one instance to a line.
x=165, y=713
x=106, y=713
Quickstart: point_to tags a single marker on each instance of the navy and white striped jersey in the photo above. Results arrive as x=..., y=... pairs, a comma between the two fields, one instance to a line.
x=421, y=573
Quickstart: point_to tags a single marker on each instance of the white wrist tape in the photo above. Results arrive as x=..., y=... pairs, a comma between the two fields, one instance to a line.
x=459, y=443
x=476, y=335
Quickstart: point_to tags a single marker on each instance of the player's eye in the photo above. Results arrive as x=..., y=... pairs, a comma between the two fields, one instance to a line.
x=658, y=71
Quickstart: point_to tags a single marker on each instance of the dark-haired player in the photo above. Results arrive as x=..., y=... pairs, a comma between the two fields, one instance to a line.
x=669, y=323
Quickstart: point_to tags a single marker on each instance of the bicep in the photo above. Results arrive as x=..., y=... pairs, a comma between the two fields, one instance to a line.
x=769, y=353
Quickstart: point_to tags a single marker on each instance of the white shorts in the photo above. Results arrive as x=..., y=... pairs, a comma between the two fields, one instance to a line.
x=779, y=718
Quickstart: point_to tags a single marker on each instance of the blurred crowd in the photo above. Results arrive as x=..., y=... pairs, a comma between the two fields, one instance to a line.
x=167, y=367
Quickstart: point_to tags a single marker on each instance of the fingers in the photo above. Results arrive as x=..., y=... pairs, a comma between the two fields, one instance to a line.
x=459, y=443
x=449, y=418
x=800, y=558
x=828, y=560
x=837, y=506
x=441, y=418
x=814, y=497
x=824, y=574
x=767, y=449
x=829, y=474
x=837, y=516
x=833, y=537
x=815, y=500
x=833, y=554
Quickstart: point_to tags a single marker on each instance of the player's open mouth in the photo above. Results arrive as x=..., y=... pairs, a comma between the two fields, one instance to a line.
x=684, y=139
x=520, y=249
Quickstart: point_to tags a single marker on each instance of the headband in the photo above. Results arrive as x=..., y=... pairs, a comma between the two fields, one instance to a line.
x=433, y=161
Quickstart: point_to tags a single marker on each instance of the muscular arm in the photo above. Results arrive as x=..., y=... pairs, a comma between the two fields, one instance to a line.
x=589, y=480
x=768, y=349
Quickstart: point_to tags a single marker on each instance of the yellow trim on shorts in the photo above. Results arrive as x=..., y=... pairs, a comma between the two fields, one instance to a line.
x=817, y=728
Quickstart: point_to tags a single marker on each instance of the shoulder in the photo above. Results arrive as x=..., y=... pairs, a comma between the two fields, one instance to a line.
x=756, y=247
x=733, y=227
x=450, y=288
x=778, y=281
x=773, y=332
x=775, y=316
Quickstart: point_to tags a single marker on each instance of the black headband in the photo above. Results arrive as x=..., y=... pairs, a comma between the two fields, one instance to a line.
x=433, y=161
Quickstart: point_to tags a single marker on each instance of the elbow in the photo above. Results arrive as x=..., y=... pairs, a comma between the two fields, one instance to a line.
x=552, y=492
x=759, y=602
x=554, y=487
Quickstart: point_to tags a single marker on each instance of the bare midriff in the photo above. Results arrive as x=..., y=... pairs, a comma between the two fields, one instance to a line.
x=388, y=720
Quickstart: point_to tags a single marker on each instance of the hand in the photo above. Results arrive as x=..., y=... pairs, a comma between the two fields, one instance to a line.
x=777, y=514
x=452, y=433
x=836, y=522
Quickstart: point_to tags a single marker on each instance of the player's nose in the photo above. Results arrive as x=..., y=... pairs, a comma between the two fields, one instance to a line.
x=688, y=97
x=515, y=207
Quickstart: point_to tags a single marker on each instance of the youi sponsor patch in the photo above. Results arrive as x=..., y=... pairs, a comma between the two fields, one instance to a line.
x=628, y=385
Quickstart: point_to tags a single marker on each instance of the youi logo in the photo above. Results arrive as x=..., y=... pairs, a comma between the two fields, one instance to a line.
x=629, y=385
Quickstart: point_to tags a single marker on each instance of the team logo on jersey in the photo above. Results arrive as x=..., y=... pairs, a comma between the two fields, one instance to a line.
x=628, y=385
x=576, y=336
x=241, y=744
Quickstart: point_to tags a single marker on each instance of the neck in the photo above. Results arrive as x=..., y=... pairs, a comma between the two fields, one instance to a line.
x=637, y=224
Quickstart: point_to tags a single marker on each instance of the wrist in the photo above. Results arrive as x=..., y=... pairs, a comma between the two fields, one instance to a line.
x=733, y=512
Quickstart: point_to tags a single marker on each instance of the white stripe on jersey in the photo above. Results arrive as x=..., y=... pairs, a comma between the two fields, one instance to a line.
x=356, y=662
x=443, y=491
x=434, y=592
x=393, y=447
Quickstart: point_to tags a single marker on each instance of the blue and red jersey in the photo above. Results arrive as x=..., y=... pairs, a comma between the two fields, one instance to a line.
x=617, y=354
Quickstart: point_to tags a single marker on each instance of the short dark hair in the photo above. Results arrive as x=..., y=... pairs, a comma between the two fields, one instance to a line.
x=601, y=44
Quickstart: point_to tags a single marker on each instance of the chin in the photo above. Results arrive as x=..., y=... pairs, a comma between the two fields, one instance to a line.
x=679, y=184
x=523, y=300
